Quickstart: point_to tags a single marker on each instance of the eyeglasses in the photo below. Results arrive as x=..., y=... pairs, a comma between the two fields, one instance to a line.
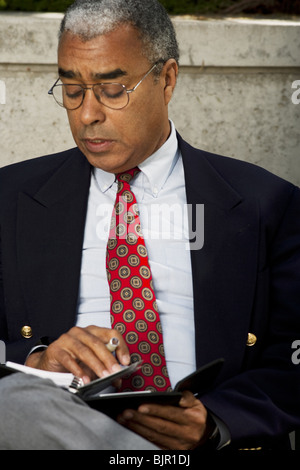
x=111, y=95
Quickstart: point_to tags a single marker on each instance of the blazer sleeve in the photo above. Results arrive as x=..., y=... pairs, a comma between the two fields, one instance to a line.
x=3, y=326
x=261, y=403
x=10, y=299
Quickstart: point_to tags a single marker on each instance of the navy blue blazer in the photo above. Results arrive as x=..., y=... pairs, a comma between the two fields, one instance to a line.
x=246, y=277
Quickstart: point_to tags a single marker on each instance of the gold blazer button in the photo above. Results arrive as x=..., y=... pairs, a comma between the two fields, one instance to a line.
x=251, y=339
x=26, y=331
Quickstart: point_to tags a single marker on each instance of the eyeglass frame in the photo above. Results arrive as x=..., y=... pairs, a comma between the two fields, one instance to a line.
x=84, y=88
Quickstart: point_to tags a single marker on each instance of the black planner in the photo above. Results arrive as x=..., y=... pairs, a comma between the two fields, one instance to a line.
x=95, y=395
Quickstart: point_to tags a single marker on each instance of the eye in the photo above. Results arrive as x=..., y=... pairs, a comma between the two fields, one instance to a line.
x=112, y=91
x=73, y=91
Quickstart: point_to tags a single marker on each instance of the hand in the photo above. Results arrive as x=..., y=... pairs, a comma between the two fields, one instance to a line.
x=82, y=352
x=181, y=427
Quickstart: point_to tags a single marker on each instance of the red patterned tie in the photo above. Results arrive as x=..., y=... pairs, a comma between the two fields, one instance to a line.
x=133, y=305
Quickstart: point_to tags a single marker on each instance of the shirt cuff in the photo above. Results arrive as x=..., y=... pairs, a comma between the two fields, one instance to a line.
x=40, y=347
x=221, y=435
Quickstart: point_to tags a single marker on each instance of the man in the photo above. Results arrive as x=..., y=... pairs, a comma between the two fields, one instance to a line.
x=235, y=297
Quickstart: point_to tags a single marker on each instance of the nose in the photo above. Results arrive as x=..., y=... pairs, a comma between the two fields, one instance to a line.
x=91, y=110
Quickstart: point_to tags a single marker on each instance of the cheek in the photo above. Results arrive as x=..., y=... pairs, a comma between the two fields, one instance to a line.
x=148, y=114
x=73, y=123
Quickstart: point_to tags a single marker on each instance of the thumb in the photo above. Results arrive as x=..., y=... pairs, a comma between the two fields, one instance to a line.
x=187, y=400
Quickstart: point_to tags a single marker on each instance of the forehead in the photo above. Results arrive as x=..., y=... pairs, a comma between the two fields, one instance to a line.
x=120, y=49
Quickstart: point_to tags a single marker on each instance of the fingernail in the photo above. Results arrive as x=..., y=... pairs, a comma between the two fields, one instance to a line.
x=144, y=409
x=126, y=359
x=127, y=415
x=116, y=368
x=182, y=402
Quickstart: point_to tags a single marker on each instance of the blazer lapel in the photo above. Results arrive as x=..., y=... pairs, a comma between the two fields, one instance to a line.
x=224, y=269
x=50, y=232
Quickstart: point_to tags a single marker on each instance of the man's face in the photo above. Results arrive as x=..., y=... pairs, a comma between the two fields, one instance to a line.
x=116, y=140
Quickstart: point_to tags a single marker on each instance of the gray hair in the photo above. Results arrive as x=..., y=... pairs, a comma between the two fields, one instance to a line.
x=91, y=18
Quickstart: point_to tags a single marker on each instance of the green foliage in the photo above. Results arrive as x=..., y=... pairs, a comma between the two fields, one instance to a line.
x=184, y=7
x=174, y=7
x=35, y=5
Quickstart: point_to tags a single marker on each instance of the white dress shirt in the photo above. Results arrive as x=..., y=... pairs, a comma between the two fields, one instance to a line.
x=160, y=192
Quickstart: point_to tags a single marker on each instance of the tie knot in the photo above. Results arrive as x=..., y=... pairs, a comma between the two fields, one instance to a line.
x=128, y=175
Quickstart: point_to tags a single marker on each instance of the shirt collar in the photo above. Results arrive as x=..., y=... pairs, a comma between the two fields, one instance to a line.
x=104, y=179
x=157, y=168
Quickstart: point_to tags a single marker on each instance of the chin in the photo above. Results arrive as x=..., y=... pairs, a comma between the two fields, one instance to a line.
x=107, y=164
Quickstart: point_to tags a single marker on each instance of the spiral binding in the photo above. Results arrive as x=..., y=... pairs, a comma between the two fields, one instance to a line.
x=77, y=382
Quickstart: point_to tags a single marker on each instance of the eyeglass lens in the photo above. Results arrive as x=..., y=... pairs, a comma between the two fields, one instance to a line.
x=112, y=95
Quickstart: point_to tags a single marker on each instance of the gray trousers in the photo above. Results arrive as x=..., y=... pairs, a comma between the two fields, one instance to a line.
x=37, y=415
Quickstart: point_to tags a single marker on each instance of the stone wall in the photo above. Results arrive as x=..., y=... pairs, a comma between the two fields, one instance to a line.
x=234, y=96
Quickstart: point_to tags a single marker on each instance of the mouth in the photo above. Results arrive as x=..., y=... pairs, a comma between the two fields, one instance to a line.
x=97, y=145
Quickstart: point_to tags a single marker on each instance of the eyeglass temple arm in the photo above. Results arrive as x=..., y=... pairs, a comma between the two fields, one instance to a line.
x=50, y=92
x=148, y=73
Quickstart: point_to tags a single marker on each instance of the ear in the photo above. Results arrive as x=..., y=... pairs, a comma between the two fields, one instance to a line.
x=169, y=73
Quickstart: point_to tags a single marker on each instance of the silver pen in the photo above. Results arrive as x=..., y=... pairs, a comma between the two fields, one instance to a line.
x=112, y=344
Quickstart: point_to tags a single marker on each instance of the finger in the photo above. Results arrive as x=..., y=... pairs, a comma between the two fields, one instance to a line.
x=56, y=359
x=173, y=414
x=180, y=422
x=76, y=347
x=162, y=441
x=105, y=335
x=165, y=434
x=82, y=349
x=188, y=400
x=92, y=351
x=176, y=414
x=70, y=354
